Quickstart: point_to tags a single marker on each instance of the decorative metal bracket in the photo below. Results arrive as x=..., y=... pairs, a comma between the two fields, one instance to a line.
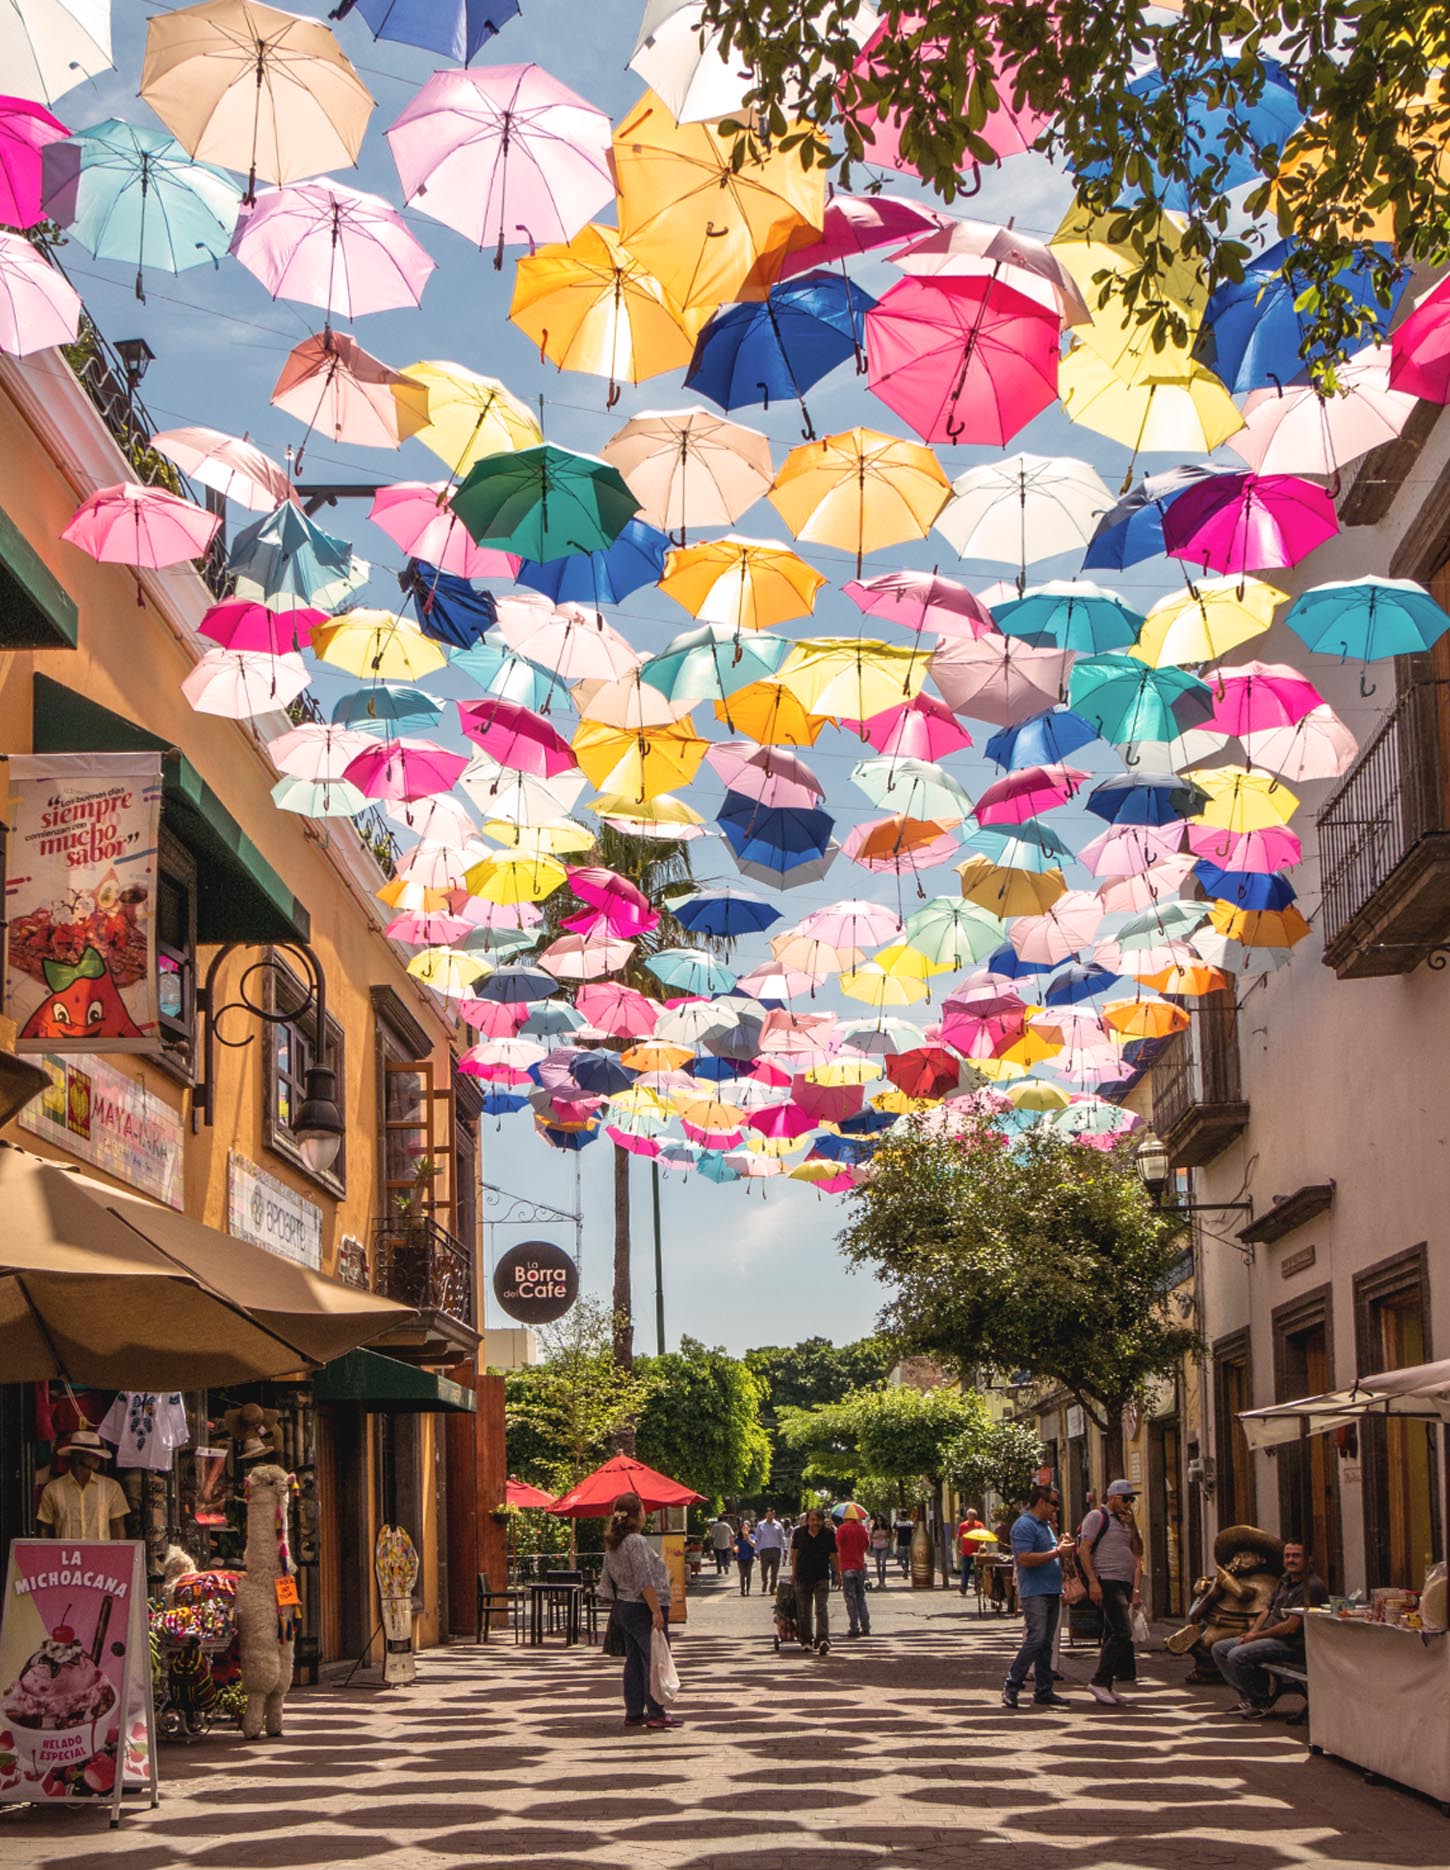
x=210, y=1015
x=519, y=1210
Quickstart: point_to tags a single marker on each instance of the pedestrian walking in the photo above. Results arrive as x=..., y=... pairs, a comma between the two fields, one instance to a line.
x=880, y=1548
x=1039, y=1553
x=853, y=1542
x=745, y=1556
x=967, y=1547
x=814, y=1563
x=636, y=1585
x=770, y=1541
x=1110, y=1558
x=722, y=1541
x=904, y=1528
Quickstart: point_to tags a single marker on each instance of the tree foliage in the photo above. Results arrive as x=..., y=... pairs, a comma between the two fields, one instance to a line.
x=701, y=1422
x=564, y=1412
x=898, y=1435
x=1001, y=1460
x=1044, y=1257
x=802, y=1376
x=1372, y=162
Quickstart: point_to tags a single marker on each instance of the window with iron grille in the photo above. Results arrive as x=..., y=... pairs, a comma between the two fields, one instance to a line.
x=293, y=1052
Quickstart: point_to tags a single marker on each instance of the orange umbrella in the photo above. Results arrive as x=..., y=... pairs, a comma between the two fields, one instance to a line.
x=860, y=490
x=767, y=712
x=332, y=384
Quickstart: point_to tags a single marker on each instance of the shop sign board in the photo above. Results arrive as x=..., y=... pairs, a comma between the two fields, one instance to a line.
x=395, y=1560
x=1076, y=1422
x=270, y=1214
x=94, y=1110
x=80, y=901
x=536, y=1282
x=76, y=1721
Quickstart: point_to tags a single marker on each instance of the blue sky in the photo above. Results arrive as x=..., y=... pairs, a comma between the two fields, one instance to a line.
x=742, y=1267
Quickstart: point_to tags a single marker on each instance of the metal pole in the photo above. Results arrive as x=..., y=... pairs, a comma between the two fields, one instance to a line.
x=659, y=1263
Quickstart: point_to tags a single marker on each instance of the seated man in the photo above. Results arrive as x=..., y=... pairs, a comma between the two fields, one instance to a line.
x=1277, y=1635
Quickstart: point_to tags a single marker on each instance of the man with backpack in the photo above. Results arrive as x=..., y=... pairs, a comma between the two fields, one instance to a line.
x=1110, y=1554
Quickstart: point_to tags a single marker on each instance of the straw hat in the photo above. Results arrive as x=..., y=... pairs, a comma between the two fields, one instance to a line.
x=255, y=1448
x=254, y=1427
x=85, y=1441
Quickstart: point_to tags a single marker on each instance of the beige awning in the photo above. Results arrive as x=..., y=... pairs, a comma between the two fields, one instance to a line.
x=1421, y=1393
x=102, y=1286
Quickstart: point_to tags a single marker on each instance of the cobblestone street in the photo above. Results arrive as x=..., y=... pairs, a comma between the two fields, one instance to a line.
x=890, y=1752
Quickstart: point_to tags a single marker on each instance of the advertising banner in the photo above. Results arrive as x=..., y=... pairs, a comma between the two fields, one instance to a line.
x=75, y=1674
x=95, y=1111
x=80, y=901
x=270, y=1214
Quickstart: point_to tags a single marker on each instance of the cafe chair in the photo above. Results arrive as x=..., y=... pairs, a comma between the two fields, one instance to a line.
x=507, y=1606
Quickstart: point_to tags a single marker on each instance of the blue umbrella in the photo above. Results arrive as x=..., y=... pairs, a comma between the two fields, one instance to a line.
x=1253, y=330
x=282, y=558
x=1046, y=739
x=866, y=1123
x=1070, y=986
x=388, y=710
x=1006, y=960
x=716, y=1069
x=1367, y=619
x=782, y=345
x=775, y=838
x=636, y=558
x=1145, y=799
x=1073, y=616
x=690, y=970
x=454, y=29
x=1245, y=889
x=503, y=1103
x=1133, y=529
x=565, y=1139
x=844, y=1149
x=1028, y=846
x=715, y=1168
x=498, y=671
x=450, y=610
x=596, y=1074
x=516, y=986
x=725, y=912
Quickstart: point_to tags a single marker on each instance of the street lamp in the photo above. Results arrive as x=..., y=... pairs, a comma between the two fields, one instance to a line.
x=1155, y=1170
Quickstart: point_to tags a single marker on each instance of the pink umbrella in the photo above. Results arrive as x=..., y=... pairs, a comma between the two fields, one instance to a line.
x=493, y=1018
x=1001, y=679
x=142, y=526
x=505, y=151
x=1274, y=848
x=586, y=957
x=853, y=923
x=416, y=928
x=418, y=517
x=332, y=384
x=241, y=624
x=920, y=600
x=516, y=737
x=1028, y=791
x=229, y=464
x=612, y=900
x=1067, y=927
x=1248, y=522
x=1256, y=695
x=480, y=914
x=962, y=359
x=25, y=129
x=775, y=982
x=1420, y=348
x=983, y=994
x=781, y=1120
x=38, y=307
x=576, y=644
x=856, y=224
x=772, y=776
x=405, y=769
x=1128, y=850
x=1155, y=884
x=1318, y=746
x=921, y=729
x=325, y=243
x=828, y=1103
x=622, y=1012
x=239, y=684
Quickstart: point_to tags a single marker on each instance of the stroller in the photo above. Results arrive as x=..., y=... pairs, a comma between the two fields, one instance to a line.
x=786, y=1628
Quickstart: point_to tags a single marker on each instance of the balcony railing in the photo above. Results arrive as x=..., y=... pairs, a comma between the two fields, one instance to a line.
x=421, y=1264
x=1198, y=1105
x=1384, y=845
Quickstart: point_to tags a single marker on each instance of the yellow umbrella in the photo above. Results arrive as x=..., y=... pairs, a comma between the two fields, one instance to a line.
x=255, y=89
x=555, y=840
x=1145, y=1019
x=526, y=878
x=771, y=714
x=652, y=1055
x=1207, y=620
x=709, y=1113
x=908, y=963
x=873, y=984
x=591, y=306
x=1008, y=892
x=1030, y=1049
x=409, y=898
x=449, y=972
x=898, y=1104
x=710, y=231
x=1243, y=799
x=661, y=814
x=378, y=646
x=814, y=1171
x=777, y=1147
x=470, y=416
x=1420, y=128
x=1259, y=928
x=854, y=676
x=999, y=1070
x=749, y=584
x=860, y=490
x=1180, y=410
x=845, y=1071
x=1083, y=244
x=1036, y=1094
x=640, y=765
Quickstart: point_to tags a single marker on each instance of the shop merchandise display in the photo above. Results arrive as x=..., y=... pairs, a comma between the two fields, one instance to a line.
x=266, y=1604
x=145, y=1428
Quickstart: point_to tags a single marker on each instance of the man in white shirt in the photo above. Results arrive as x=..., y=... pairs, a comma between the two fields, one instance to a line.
x=83, y=1503
x=722, y=1538
x=769, y=1546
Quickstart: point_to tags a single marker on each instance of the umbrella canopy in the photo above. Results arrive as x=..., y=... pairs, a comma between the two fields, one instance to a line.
x=1255, y=330
x=860, y=490
x=971, y=249
x=330, y=383
x=238, y=624
x=1300, y=430
x=545, y=502
x=470, y=416
x=141, y=526
x=1207, y=620
x=26, y=128
x=239, y=684
x=631, y=560
x=376, y=643
x=1249, y=522
x=1070, y=614
x=1368, y=619
x=1182, y=410
x=504, y=154
x=1023, y=507
x=690, y=467
x=455, y=29
x=326, y=244
x=418, y=516
x=38, y=307
x=1127, y=701
x=781, y=346
x=594, y=1496
x=857, y=224
x=47, y=47
x=257, y=90
x=920, y=600
x=747, y=584
x=228, y=464
x=1420, y=348
x=284, y=560
x=1001, y=679
x=518, y=1493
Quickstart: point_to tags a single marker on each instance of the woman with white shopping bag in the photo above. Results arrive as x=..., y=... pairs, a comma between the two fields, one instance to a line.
x=636, y=1586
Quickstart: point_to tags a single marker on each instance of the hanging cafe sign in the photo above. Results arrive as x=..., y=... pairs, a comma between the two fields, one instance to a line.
x=536, y=1282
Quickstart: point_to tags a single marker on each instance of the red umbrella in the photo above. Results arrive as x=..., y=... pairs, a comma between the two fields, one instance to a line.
x=926, y=1071
x=596, y=1494
x=520, y=1493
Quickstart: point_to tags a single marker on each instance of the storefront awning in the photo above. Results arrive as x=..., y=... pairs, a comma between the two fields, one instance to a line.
x=1421, y=1393
x=383, y=1384
x=239, y=895
x=36, y=611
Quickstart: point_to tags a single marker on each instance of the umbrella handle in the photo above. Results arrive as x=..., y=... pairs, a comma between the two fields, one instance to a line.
x=1366, y=689
x=976, y=187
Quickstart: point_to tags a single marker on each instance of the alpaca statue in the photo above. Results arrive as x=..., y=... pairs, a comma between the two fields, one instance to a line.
x=267, y=1616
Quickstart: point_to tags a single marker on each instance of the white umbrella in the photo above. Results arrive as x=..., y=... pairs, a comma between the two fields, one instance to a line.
x=1318, y=747
x=318, y=751
x=230, y=464
x=239, y=684
x=499, y=792
x=686, y=68
x=48, y=47
x=1022, y=508
x=38, y=307
x=1298, y=431
x=691, y=467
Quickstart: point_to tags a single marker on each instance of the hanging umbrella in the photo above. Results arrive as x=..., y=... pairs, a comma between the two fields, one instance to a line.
x=689, y=467
x=145, y=527
x=375, y=643
x=638, y=763
x=851, y=675
x=228, y=464
x=26, y=129
x=135, y=195
x=962, y=359
x=1144, y=799
x=330, y=383
x=1028, y=846
x=38, y=306
x=418, y=517
x=575, y=645
x=315, y=751
x=590, y=306
x=1060, y=932
x=545, y=502
x=1132, y=529
x=508, y=877
x=690, y=971
x=1045, y=739
x=1070, y=614
x=1243, y=889
x=772, y=775
x=911, y=788
x=1130, y=850
x=1256, y=695
x=521, y=741
x=710, y=228
x=921, y=729
x=1022, y=508
x=47, y=47
x=1301, y=430
x=684, y=65
x=257, y=90
x=901, y=843
x=1009, y=892
x=712, y=661
x=857, y=224
x=283, y=560
x=1026, y=792
x=240, y=684
x=324, y=243
x=238, y=624
x=633, y=559
x=1240, y=800
x=1129, y=702
x=1319, y=746
x=405, y=769
x=1181, y=409
x=384, y=709
x=1249, y=522
x=747, y=584
x=1368, y=619
x=505, y=154
x=628, y=703
x=1419, y=348
x=781, y=346
x=456, y=30
x=325, y=798
x=999, y=678
x=1207, y=620
x=859, y=490
x=1255, y=330
x=852, y=923
x=919, y=600
x=470, y=416
x=953, y=932
x=774, y=840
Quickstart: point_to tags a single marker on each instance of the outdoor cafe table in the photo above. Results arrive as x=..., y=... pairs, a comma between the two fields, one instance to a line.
x=1379, y=1697
x=547, y=1598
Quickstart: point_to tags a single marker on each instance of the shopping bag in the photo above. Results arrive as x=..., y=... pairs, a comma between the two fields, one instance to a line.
x=1142, y=1635
x=664, y=1677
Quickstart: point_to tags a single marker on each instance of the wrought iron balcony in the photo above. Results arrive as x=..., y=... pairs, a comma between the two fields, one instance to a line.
x=1384, y=844
x=421, y=1264
x=1198, y=1104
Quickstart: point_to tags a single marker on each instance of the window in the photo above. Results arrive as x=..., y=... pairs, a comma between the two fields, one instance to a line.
x=293, y=1043
x=176, y=951
x=1401, y=1494
x=1233, y=1393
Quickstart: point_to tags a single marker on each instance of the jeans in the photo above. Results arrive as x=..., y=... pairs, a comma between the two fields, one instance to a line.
x=903, y=1558
x=858, y=1611
x=812, y=1617
x=722, y=1558
x=1242, y=1664
x=968, y=1559
x=1040, y=1615
x=883, y=1554
x=769, y=1568
x=637, y=1623
x=746, y=1565
x=1116, y=1660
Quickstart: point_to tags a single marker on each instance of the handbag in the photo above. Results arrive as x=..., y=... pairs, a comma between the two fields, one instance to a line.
x=664, y=1677
x=614, y=1643
x=1073, y=1588
x=1142, y=1635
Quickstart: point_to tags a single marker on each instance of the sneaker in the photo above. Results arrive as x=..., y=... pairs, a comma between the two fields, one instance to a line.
x=1255, y=1713
x=634, y=1720
x=1009, y=1697
x=1050, y=1701
x=823, y=1647
x=664, y=1720
x=1103, y=1694
x=807, y=1647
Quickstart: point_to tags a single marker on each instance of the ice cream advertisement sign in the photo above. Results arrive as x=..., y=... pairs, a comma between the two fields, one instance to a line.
x=75, y=1676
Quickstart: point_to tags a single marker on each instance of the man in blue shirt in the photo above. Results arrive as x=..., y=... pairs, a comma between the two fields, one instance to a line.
x=1039, y=1553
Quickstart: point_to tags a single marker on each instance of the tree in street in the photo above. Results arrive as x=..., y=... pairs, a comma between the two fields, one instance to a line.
x=801, y=1376
x=1002, y=1461
x=701, y=1423
x=564, y=1413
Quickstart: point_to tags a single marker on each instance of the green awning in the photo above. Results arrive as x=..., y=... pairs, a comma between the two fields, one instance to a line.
x=239, y=896
x=36, y=610
x=380, y=1384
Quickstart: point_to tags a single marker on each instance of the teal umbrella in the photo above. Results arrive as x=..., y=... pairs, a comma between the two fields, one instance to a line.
x=1367, y=619
x=500, y=672
x=1127, y=701
x=389, y=709
x=544, y=503
x=1070, y=614
x=690, y=970
x=954, y=932
x=135, y=195
x=713, y=661
x=1028, y=846
x=1166, y=921
x=283, y=559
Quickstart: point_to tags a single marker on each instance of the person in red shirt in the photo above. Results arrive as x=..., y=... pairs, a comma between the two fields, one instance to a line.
x=853, y=1542
x=967, y=1548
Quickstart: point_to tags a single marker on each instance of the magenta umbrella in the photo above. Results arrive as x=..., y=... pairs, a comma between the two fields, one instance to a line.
x=418, y=517
x=38, y=307
x=786, y=1121
x=1001, y=679
x=612, y=899
x=241, y=624
x=855, y=224
x=1028, y=791
x=325, y=243
x=921, y=600
x=141, y=526
x=1248, y=522
x=1256, y=695
x=962, y=359
x=516, y=737
x=405, y=769
x=1420, y=348
x=920, y=729
x=25, y=129
x=504, y=152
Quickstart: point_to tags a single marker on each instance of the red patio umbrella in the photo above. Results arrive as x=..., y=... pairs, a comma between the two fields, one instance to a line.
x=520, y=1493
x=593, y=1497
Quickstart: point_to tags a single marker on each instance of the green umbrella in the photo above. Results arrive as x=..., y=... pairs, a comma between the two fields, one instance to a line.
x=952, y=932
x=711, y=662
x=1168, y=921
x=544, y=503
x=914, y=788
